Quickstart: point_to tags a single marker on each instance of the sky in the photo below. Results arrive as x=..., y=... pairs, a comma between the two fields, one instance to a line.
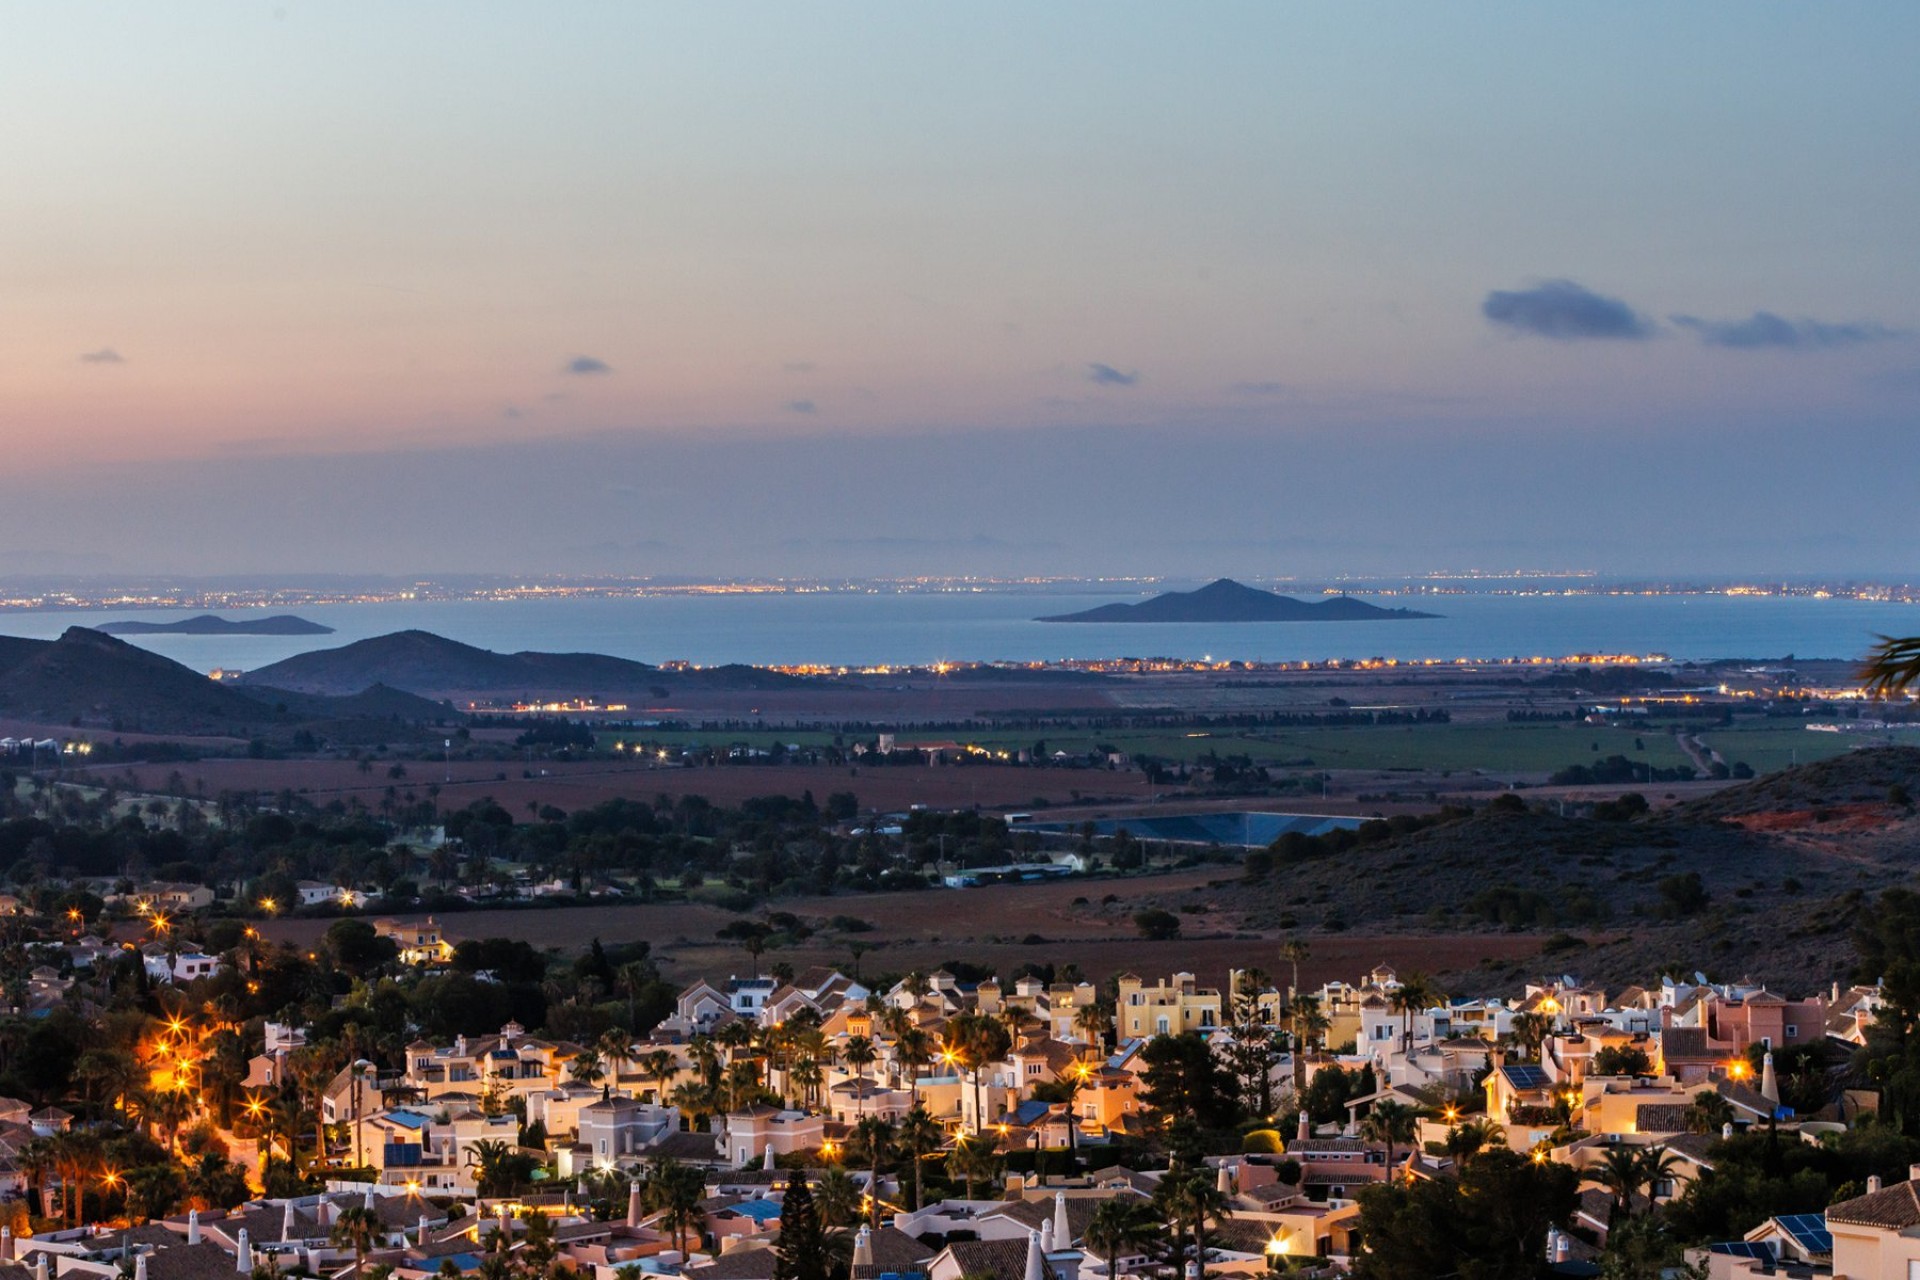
x=847, y=289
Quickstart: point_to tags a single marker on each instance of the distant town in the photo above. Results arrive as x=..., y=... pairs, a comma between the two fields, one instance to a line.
x=24, y=592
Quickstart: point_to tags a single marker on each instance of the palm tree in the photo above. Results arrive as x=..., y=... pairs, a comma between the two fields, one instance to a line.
x=1093, y=1020
x=1119, y=1226
x=1394, y=1123
x=1416, y=993
x=658, y=1066
x=1470, y=1138
x=675, y=1190
x=1708, y=1113
x=919, y=1136
x=586, y=1067
x=913, y=1047
x=975, y=1161
x=859, y=1053
x=616, y=1051
x=871, y=1143
x=837, y=1198
x=1622, y=1173
x=1892, y=666
x=1293, y=951
x=493, y=1172
x=356, y=1227
x=1530, y=1031
x=1657, y=1165
x=1190, y=1199
x=1308, y=1025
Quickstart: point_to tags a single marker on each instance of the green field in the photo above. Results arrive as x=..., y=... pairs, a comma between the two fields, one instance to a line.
x=1496, y=748
x=1771, y=748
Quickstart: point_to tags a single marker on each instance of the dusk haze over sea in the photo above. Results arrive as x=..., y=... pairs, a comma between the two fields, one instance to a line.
x=734, y=289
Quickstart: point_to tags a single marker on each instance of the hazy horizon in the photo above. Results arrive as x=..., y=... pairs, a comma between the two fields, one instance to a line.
x=850, y=290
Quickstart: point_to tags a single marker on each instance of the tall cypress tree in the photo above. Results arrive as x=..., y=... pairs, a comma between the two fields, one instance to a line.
x=801, y=1253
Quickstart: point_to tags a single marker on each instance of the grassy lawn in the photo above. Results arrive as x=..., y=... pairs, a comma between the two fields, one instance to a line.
x=1498, y=748
x=1771, y=748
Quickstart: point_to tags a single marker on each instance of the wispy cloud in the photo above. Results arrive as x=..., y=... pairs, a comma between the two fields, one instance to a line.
x=1105, y=375
x=1259, y=388
x=588, y=365
x=801, y=406
x=1564, y=311
x=105, y=355
x=1764, y=329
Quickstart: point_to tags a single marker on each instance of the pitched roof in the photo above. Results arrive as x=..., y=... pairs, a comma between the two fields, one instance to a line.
x=1032, y=1213
x=1896, y=1208
x=739, y=1264
x=893, y=1251
x=1660, y=1117
x=1000, y=1259
x=1684, y=1042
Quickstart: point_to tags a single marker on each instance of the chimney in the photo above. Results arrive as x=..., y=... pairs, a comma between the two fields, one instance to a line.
x=1873, y=1183
x=766, y=1161
x=1769, y=1083
x=367, y=1201
x=1223, y=1180
x=1306, y=1127
x=6, y=1244
x=863, y=1248
x=423, y=1230
x=193, y=1226
x=633, y=1203
x=1036, y=1268
x=140, y=1267
x=1062, y=1229
x=1913, y=1173
x=1726, y=1130
x=242, y=1256
x=1046, y=1235
x=40, y=1265
x=286, y=1221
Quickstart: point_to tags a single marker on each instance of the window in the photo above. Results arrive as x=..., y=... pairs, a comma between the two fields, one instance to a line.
x=1163, y=1025
x=1793, y=1031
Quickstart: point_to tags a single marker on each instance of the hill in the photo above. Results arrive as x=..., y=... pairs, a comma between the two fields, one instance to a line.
x=208, y=624
x=94, y=679
x=1228, y=601
x=89, y=679
x=424, y=663
x=1775, y=899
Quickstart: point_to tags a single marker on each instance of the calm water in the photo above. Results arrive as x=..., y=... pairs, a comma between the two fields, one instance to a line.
x=857, y=629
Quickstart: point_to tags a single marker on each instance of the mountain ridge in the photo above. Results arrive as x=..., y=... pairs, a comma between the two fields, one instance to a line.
x=422, y=662
x=1224, y=600
x=212, y=624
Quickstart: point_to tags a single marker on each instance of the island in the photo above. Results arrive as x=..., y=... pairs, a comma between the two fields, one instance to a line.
x=1228, y=601
x=208, y=624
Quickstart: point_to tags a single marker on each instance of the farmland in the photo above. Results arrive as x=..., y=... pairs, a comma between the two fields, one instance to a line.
x=999, y=926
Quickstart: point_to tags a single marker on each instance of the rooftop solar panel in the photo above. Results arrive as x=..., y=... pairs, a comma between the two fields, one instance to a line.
x=1743, y=1249
x=1526, y=1077
x=1809, y=1231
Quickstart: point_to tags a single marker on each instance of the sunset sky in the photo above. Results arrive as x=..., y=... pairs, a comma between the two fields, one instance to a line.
x=849, y=288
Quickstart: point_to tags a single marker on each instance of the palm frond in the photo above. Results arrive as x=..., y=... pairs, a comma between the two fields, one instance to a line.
x=1892, y=666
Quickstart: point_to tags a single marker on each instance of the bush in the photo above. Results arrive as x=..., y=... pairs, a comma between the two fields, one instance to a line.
x=1156, y=924
x=1681, y=896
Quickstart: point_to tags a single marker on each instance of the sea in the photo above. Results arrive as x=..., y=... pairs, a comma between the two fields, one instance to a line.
x=857, y=628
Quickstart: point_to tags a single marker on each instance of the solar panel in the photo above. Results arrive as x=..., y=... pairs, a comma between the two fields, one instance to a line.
x=1526, y=1077
x=1743, y=1249
x=1809, y=1231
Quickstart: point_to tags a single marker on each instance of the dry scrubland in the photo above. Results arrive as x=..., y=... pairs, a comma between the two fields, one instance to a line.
x=989, y=926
